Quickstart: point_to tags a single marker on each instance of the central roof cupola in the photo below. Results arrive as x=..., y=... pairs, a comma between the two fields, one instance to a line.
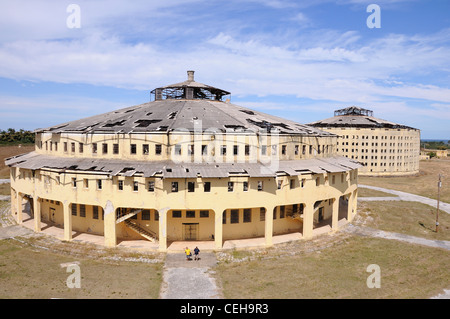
x=189, y=90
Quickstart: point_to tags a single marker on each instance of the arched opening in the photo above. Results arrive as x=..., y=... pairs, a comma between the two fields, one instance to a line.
x=288, y=219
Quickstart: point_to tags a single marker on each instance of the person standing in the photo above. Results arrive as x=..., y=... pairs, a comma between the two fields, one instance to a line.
x=187, y=251
x=196, y=251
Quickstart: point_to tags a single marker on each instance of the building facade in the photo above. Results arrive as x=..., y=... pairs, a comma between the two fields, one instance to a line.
x=383, y=148
x=186, y=166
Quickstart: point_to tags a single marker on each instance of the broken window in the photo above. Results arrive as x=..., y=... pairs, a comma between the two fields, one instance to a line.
x=145, y=149
x=177, y=149
x=158, y=149
x=191, y=149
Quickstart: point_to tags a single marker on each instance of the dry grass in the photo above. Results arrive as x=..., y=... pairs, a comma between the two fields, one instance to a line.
x=424, y=184
x=8, y=151
x=5, y=189
x=339, y=271
x=411, y=218
x=28, y=273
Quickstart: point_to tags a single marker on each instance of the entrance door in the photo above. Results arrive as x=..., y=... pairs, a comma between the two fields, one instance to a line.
x=190, y=231
x=320, y=214
x=52, y=215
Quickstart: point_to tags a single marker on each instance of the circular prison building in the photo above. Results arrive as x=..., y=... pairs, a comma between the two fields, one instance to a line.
x=187, y=166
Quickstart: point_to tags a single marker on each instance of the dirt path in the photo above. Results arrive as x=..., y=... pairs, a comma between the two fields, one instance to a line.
x=372, y=232
x=405, y=197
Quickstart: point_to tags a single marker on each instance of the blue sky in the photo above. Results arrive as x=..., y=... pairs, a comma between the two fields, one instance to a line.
x=295, y=59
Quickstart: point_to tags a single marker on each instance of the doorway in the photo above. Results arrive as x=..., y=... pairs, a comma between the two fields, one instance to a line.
x=52, y=215
x=190, y=231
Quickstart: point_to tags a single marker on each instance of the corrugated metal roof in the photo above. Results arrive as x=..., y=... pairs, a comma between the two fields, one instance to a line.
x=357, y=121
x=169, y=169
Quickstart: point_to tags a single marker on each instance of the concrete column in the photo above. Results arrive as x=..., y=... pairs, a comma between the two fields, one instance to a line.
x=355, y=202
x=308, y=219
x=110, y=225
x=67, y=222
x=218, y=228
x=335, y=214
x=268, y=226
x=162, y=229
x=350, y=207
x=352, y=203
x=19, y=202
x=37, y=214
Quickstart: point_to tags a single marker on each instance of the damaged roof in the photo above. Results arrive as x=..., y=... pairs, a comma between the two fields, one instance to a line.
x=188, y=105
x=357, y=117
x=171, y=115
x=169, y=169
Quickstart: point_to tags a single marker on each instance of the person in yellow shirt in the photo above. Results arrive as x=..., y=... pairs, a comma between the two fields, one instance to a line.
x=187, y=251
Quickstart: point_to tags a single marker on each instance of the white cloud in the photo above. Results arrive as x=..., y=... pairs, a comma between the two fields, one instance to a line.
x=144, y=44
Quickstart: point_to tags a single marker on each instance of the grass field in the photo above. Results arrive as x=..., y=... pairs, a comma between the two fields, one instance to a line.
x=409, y=218
x=329, y=266
x=424, y=184
x=339, y=271
x=26, y=272
x=8, y=151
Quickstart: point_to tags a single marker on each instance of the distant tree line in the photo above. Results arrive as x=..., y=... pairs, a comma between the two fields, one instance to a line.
x=11, y=136
x=436, y=145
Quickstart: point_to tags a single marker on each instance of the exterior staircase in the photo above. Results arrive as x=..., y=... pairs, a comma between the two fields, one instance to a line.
x=147, y=234
x=126, y=216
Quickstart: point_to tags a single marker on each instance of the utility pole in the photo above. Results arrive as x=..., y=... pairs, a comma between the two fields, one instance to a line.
x=437, y=211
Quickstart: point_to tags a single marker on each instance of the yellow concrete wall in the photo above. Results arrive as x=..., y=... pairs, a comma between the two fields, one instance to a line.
x=47, y=188
x=50, y=185
x=53, y=144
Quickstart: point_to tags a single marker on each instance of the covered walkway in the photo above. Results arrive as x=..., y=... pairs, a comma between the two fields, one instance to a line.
x=176, y=246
